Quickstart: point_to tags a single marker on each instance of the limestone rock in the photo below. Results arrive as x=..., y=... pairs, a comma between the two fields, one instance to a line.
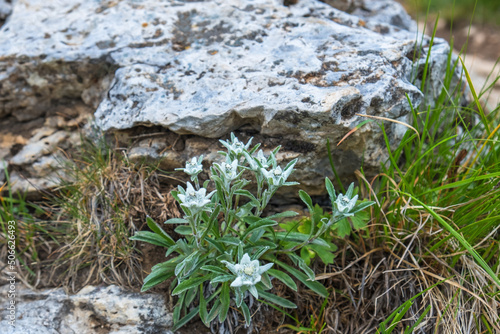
x=93, y=310
x=293, y=75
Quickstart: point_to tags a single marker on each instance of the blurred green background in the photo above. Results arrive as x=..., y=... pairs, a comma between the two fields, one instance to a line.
x=485, y=11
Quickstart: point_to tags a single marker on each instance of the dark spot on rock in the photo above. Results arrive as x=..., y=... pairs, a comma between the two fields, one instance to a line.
x=367, y=52
x=46, y=35
x=138, y=70
x=201, y=75
x=376, y=102
x=381, y=29
x=287, y=26
x=397, y=21
x=298, y=146
x=330, y=66
x=316, y=78
x=158, y=33
x=105, y=44
x=306, y=99
x=290, y=2
x=351, y=108
x=273, y=82
x=16, y=148
x=371, y=79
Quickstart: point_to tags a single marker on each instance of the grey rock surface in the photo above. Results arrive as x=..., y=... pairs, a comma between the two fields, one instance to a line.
x=5, y=9
x=93, y=310
x=293, y=75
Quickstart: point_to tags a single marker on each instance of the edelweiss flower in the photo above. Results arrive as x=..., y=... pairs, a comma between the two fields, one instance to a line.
x=345, y=204
x=193, y=167
x=248, y=272
x=235, y=146
x=230, y=169
x=195, y=200
x=262, y=159
x=276, y=176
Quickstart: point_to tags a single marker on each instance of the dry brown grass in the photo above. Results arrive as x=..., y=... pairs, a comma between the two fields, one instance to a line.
x=370, y=279
x=106, y=199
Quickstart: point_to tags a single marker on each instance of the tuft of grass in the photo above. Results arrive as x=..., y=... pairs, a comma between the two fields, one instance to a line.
x=104, y=199
x=439, y=196
x=35, y=236
x=428, y=260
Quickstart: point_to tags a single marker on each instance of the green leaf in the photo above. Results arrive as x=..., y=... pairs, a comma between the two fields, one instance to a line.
x=214, y=312
x=214, y=269
x=283, y=277
x=190, y=283
x=246, y=313
x=259, y=252
x=260, y=224
x=246, y=193
x=267, y=243
x=361, y=206
x=216, y=244
x=203, y=308
x=301, y=237
x=183, y=230
x=325, y=254
x=266, y=280
x=157, y=276
x=151, y=238
x=305, y=254
x=176, y=221
x=350, y=190
x=238, y=296
x=191, y=295
x=225, y=302
x=187, y=264
x=313, y=285
x=330, y=189
x=221, y=278
x=302, y=265
x=285, y=214
x=306, y=199
x=342, y=228
x=230, y=241
x=357, y=223
x=186, y=319
x=277, y=300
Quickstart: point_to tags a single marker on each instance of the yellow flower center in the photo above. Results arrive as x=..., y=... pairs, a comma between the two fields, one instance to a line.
x=248, y=271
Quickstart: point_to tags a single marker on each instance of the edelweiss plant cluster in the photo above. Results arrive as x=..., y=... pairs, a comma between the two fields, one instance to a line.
x=229, y=253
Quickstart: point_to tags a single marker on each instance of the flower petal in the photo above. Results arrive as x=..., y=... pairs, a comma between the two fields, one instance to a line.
x=237, y=282
x=264, y=268
x=254, y=292
x=245, y=259
x=231, y=267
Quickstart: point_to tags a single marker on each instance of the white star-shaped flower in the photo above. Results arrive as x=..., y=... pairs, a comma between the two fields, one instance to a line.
x=193, y=167
x=248, y=272
x=195, y=200
x=345, y=204
x=236, y=146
